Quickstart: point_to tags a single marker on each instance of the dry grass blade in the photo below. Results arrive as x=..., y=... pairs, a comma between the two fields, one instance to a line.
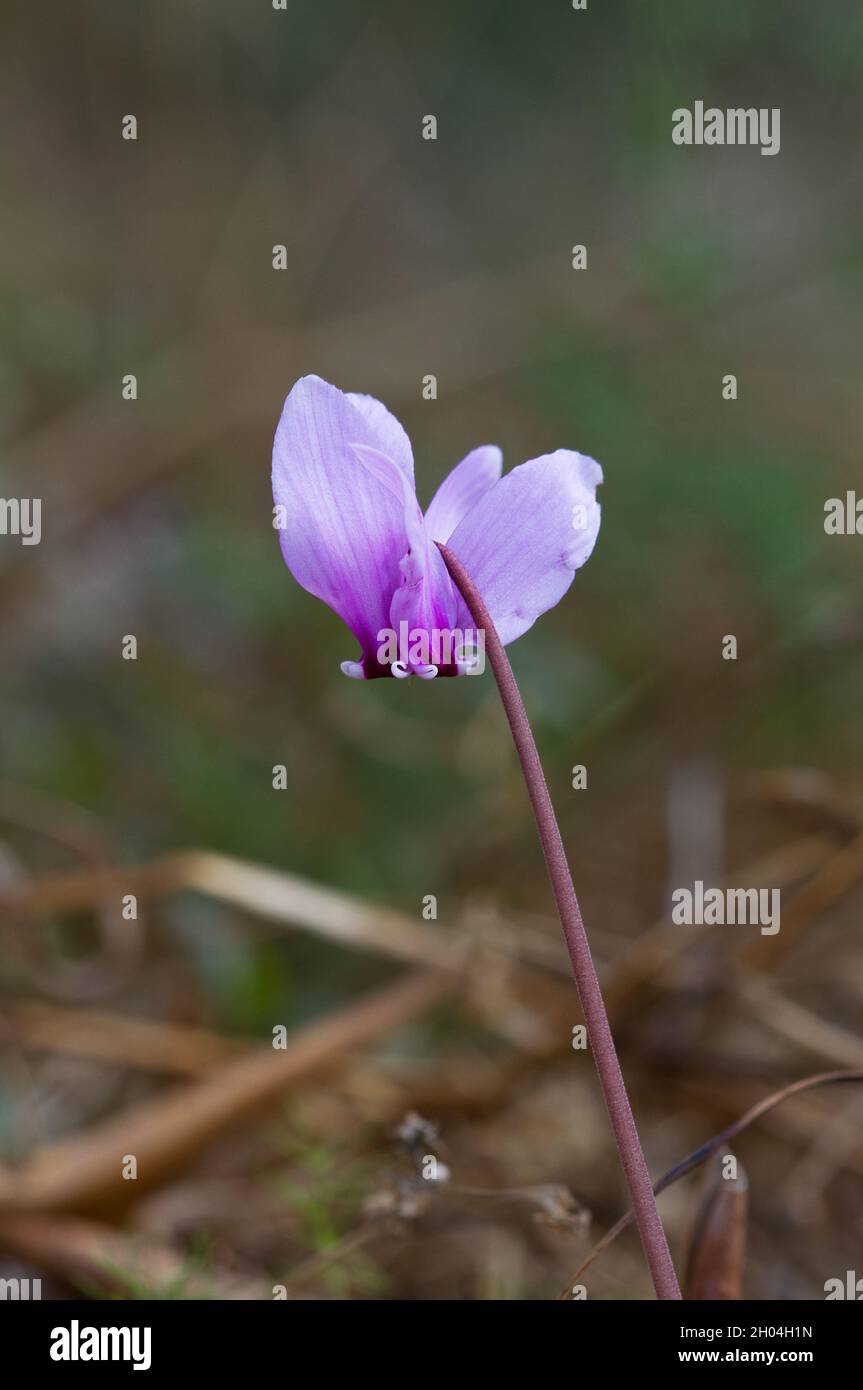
x=799, y=1025
x=85, y=1173
x=146, y=1044
x=273, y=894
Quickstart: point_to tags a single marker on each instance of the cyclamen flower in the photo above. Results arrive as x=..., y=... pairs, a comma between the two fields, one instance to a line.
x=490, y=550
x=352, y=531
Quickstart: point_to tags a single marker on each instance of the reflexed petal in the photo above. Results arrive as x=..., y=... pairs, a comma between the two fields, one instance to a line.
x=388, y=433
x=344, y=532
x=525, y=538
x=461, y=490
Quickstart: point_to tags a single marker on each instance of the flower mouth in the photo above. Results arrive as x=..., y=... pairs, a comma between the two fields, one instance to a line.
x=424, y=652
x=373, y=669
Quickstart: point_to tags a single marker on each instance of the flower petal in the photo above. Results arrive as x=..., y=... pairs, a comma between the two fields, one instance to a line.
x=344, y=530
x=461, y=490
x=525, y=538
x=425, y=598
x=389, y=435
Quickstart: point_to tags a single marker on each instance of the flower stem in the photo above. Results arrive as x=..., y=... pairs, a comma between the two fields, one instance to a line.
x=647, y=1217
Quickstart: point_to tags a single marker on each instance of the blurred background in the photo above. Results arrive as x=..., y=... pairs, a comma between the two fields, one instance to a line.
x=408, y=257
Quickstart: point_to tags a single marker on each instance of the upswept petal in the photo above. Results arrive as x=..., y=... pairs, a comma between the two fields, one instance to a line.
x=344, y=530
x=461, y=490
x=389, y=434
x=525, y=538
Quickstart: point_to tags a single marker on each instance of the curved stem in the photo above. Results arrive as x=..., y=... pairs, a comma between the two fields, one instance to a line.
x=593, y=1006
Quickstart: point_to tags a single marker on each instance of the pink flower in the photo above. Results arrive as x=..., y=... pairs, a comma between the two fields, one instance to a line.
x=352, y=531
